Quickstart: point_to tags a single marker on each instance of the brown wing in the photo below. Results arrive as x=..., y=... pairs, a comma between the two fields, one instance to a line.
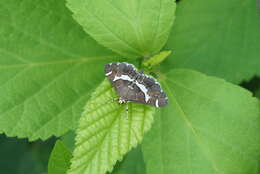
x=158, y=97
x=134, y=94
x=118, y=69
x=134, y=86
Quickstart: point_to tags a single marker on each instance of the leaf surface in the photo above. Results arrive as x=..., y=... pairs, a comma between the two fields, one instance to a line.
x=216, y=37
x=107, y=131
x=59, y=160
x=69, y=140
x=130, y=28
x=209, y=126
x=47, y=68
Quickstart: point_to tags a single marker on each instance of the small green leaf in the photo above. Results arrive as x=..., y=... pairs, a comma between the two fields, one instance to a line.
x=130, y=28
x=107, y=131
x=209, y=126
x=156, y=59
x=59, y=161
x=69, y=140
x=216, y=37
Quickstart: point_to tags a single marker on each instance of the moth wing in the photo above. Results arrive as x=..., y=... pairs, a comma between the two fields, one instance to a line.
x=120, y=75
x=111, y=70
x=134, y=94
x=118, y=69
x=158, y=96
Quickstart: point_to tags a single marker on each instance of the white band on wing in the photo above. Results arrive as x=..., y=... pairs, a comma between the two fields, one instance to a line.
x=144, y=90
x=107, y=74
x=157, y=103
x=123, y=77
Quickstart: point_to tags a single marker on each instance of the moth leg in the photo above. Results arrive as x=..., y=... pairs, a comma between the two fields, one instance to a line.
x=121, y=100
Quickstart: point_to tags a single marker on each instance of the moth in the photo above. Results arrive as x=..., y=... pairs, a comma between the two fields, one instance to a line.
x=135, y=86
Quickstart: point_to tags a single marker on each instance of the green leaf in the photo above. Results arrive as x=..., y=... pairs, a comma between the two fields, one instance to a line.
x=59, y=161
x=130, y=28
x=209, y=126
x=216, y=37
x=48, y=68
x=69, y=140
x=107, y=131
x=156, y=59
x=133, y=163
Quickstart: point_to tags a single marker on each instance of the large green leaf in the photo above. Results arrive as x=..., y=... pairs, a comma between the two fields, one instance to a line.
x=217, y=37
x=131, y=28
x=107, y=131
x=48, y=67
x=209, y=126
x=59, y=161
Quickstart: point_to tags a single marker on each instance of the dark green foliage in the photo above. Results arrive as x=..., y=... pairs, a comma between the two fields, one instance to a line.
x=18, y=156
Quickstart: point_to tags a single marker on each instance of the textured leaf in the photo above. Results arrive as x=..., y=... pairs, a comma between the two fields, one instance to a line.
x=131, y=28
x=217, y=37
x=48, y=67
x=107, y=131
x=59, y=161
x=209, y=126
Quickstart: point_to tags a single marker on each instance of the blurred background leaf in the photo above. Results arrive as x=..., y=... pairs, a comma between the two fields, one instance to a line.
x=18, y=156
